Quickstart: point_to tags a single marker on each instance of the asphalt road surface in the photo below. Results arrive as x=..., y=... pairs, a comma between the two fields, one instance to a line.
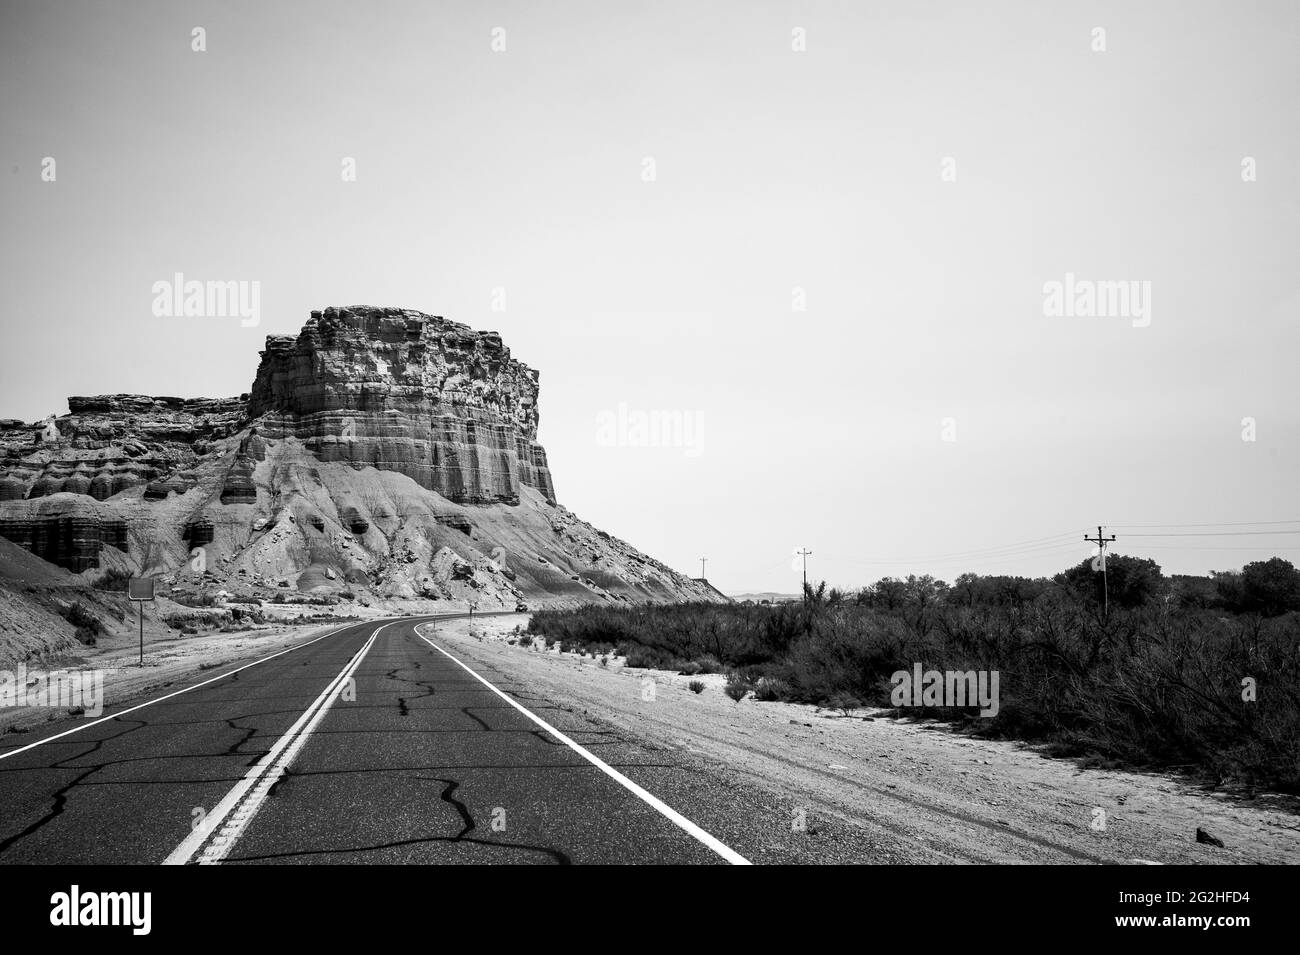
x=371, y=744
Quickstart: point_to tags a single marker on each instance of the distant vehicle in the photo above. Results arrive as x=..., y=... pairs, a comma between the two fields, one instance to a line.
x=521, y=607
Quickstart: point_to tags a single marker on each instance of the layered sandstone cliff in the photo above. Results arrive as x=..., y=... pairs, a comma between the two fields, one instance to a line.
x=382, y=454
x=110, y=443
x=402, y=391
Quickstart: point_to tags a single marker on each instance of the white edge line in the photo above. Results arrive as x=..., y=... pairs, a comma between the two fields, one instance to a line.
x=140, y=706
x=289, y=743
x=721, y=848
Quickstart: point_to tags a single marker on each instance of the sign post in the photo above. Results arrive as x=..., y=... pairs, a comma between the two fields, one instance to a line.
x=140, y=589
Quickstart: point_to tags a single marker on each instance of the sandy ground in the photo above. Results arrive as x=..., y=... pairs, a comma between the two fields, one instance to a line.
x=923, y=792
x=167, y=660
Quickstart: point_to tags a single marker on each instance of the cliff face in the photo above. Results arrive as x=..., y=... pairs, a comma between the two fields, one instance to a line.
x=408, y=392
x=111, y=443
x=381, y=455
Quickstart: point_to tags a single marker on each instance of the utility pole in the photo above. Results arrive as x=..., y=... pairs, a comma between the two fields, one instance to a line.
x=1101, y=543
x=702, y=575
x=805, y=554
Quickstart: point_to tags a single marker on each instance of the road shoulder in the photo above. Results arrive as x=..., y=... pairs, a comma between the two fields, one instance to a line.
x=905, y=792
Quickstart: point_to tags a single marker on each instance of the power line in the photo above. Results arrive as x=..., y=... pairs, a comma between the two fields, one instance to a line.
x=1041, y=544
x=992, y=555
x=1041, y=550
x=1014, y=544
x=1014, y=554
x=1218, y=534
x=1217, y=524
x=1257, y=547
x=1032, y=544
x=1043, y=547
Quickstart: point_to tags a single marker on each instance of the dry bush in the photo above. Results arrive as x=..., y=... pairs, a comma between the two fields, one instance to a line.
x=1155, y=685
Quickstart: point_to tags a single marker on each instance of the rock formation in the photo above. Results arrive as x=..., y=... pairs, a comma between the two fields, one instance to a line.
x=111, y=443
x=381, y=454
x=62, y=532
x=407, y=392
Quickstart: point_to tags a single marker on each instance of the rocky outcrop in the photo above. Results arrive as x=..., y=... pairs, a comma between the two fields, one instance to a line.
x=64, y=533
x=239, y=487
x=353, y=521
x=198, y=533
x=382, y=455
x=399, y=390
x=113, y=443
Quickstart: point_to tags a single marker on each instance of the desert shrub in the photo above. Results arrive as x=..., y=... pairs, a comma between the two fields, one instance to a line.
x=244, y=617
x=81, y=617
x=193, y=600
x=307, y=618
x=705, y=663
x=738, y=685
x=114, y=580
x=1157, y=683
x=696, y=686
x=646, y=657
x=1269, y=587
x=192, y=619
x=846, y=703
x=771, y=688
x=709, y=664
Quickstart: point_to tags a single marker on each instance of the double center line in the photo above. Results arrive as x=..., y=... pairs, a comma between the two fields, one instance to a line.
x=213, y=838
x=227, y=822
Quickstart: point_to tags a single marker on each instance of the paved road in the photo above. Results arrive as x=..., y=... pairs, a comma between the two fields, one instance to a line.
x=370, y=744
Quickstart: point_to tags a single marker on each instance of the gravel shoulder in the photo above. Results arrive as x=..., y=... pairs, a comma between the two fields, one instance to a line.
x=873, y=789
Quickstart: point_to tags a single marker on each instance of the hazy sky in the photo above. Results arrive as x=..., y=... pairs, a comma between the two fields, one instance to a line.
x=774, y=170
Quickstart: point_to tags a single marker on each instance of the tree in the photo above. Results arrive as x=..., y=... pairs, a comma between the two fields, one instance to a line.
x=966, y=590
x=970, y=590
x=887, y=593
x=1270, y=587
x=1228, y=589
x=815, y=597
x=1131, y=581
x=923, y=591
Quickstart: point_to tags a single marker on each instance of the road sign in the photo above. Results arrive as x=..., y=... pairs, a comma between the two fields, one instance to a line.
x=140, y=589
